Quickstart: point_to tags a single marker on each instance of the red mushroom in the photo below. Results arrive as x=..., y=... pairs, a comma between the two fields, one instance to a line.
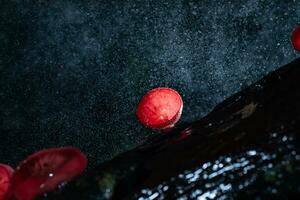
x=296, y=38
x=45, y=170
x=6, y=173
x=160, y=108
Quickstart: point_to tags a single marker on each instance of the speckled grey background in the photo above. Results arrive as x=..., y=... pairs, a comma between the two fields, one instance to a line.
x=72, y=72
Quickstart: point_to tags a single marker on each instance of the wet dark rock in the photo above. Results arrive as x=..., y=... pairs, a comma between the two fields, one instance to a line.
x=248, y=146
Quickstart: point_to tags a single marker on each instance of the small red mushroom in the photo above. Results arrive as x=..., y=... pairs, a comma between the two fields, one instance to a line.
x=296, y=38
x=46, y=170
x=160, y=108
x=6, y=173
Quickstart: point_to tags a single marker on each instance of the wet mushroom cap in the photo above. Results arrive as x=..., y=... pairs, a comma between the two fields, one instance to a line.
x=160, y=108
x=45, y=170
x=6, y=173
x=296, y=38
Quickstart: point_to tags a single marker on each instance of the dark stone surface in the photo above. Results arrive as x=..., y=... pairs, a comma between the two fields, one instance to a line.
x=72, y=72
x=246, y=148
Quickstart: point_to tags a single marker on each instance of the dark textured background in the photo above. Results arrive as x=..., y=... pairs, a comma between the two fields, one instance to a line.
x=72, y=72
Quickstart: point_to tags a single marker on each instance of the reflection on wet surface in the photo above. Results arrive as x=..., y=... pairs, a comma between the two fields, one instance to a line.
x=229, y=176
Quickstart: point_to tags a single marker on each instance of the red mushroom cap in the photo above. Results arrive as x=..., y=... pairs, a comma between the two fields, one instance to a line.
x=45, y=170
x=296, y=38
x=160, y=108
x=6, y=173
